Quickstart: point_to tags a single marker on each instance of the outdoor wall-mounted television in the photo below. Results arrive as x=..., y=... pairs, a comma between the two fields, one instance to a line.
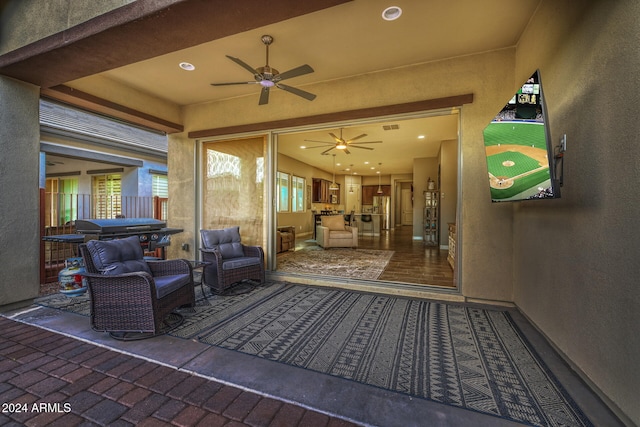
x=520, y=154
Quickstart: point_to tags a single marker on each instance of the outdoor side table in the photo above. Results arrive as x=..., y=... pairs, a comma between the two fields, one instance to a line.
x=199, y=265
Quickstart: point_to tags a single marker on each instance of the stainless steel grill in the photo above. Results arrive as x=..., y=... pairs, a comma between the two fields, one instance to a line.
x=152, y=233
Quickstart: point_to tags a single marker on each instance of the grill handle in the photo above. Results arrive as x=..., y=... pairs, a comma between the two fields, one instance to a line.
x=138, y=227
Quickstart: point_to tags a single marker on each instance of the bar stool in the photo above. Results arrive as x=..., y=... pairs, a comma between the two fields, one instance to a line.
x=366, y=221
x=349, y=218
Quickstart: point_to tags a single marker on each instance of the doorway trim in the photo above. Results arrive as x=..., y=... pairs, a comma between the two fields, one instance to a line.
x=399, y=288
x=340, y=116
x=270, y=131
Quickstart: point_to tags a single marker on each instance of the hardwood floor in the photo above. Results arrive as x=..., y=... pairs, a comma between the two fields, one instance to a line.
x=412, y=261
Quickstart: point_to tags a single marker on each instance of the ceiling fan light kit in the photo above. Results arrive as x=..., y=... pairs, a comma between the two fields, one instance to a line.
x=268, y=77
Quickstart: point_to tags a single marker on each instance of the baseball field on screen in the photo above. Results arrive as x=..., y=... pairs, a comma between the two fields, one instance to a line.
x=517, y=159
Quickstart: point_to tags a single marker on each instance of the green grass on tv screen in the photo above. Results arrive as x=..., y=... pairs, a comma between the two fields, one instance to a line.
x=526, y=133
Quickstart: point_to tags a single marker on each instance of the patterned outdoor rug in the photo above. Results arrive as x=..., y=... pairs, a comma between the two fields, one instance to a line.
x=337, y=262
x=462, y=356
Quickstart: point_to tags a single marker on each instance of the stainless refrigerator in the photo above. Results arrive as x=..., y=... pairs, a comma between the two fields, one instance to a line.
x=382, y=206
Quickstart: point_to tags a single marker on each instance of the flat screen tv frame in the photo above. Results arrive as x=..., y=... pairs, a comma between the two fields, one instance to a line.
x=521, y=161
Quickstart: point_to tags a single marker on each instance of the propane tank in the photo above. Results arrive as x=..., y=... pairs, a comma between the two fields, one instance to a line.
x=70, y=277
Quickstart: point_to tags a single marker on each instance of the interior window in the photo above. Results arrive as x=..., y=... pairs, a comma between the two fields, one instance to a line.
x=297, y=194
x=282, y=180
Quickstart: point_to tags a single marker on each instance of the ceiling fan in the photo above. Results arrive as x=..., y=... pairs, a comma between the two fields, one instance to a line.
x=268, y=77
x=342, y=144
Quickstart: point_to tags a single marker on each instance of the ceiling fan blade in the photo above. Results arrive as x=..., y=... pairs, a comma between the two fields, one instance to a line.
x=296, y=91
x=234, y=83
x=295, y=72
x=319, y=146
x=264, y=96
x=326, y=151
x=357, y=137
x=364, y=148
x=321, y=142
x=336, y=138
x=365, y=142
x=244, y=65
x=346, y=151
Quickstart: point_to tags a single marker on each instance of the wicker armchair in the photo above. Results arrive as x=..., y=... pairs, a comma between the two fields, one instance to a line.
x=231, y=261
x=132, y=298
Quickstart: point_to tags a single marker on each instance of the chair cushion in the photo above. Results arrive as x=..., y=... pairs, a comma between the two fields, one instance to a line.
x=167, y=284
x=118, y=256
x=240, y=262
x=333, y=222
x=227, y=240
x=341, y=235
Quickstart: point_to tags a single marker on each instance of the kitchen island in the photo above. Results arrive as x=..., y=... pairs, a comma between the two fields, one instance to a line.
x=370, y=229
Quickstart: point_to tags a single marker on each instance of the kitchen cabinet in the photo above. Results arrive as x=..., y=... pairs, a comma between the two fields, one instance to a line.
x=322, y=194
x=368, y=191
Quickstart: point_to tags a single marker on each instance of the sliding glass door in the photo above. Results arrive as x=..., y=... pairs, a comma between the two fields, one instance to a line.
x=234, y=187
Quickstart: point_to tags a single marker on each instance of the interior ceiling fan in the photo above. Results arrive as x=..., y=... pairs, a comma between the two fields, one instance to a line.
x=268, y=77
x=342, y=144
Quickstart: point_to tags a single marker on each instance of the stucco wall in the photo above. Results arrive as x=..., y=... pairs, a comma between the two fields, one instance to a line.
x=486, y=229
x=47, y=17
x=576, y=264
x=448, y=187
x=19, y=198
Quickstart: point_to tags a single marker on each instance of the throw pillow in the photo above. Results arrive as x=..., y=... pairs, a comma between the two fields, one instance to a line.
x=227, y=240
x=118, y=256
x=333, y=222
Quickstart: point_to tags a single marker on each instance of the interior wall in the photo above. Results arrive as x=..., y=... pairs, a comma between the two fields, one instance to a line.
x=576, y=267
x=303, y=221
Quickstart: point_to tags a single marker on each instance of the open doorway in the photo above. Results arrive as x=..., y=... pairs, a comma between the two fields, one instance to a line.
x=384, y=161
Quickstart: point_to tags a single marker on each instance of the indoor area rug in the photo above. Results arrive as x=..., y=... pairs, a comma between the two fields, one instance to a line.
x=336, y=262
x=468, y=357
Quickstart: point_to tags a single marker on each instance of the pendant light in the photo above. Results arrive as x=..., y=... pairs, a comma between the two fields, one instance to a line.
x=334, y=186
x=351, y=179
x=379, y=186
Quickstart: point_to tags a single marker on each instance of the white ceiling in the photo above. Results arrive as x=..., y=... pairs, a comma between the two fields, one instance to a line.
x=395, y=142
x=339, y=42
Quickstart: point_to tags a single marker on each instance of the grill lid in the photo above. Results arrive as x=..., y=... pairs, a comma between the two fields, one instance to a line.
x=118, y=225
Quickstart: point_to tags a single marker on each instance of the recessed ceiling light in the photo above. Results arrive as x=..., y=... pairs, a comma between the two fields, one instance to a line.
x=303, y=146
x=420, y=136
x=187, y=66
x=391, y=13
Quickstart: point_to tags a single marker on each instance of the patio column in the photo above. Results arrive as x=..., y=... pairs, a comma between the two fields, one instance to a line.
x=19, y=193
